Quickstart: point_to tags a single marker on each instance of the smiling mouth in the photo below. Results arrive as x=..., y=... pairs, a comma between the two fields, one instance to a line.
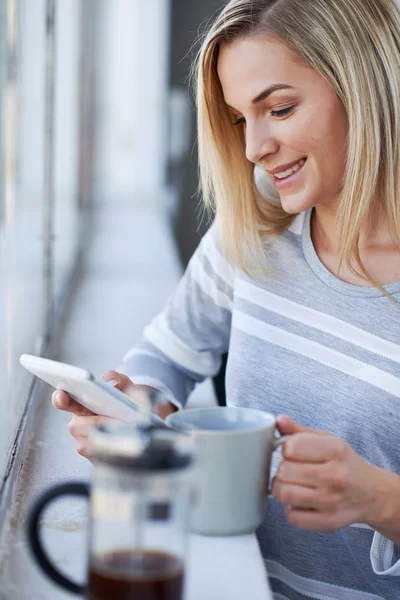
x=288, y=172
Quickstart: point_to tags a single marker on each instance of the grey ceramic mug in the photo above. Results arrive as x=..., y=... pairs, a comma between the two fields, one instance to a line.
x=235, y=447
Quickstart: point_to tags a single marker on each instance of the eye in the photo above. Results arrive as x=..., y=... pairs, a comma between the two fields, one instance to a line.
x=241, y=120
x=282, y=113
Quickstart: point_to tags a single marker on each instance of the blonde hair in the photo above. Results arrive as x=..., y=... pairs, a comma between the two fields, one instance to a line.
x=355, y=46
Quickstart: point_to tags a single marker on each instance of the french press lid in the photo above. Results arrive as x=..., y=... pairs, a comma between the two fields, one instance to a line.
x=141, y=447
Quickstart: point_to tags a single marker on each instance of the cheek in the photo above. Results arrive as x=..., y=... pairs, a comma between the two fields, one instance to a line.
x=303, y=134
x=320, y=130
x=325, y=145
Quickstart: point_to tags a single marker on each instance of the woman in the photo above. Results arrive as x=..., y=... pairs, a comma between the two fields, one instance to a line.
x=303, y=293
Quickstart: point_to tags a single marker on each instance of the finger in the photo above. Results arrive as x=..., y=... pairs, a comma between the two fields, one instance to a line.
x=326, y=475
x=313, y=520
x=62, y=401
x=295, y=495
x=80, y=427
x=140, y=394
x=311, y=447
x=300, y=473
x=83, y=448
x=118, y=380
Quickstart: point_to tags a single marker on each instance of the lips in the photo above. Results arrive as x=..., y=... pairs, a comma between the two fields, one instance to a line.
x=284, y=180
x=282, y=169
x=291, y=170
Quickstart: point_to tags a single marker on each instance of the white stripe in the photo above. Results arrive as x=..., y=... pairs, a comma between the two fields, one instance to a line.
x=317, y=320
x=318, y=352
x=162, y=337
x=319, y=590
x=220, y=265
x=388, y=555
x=208, y=285
x=381, y=561
x=362, y=526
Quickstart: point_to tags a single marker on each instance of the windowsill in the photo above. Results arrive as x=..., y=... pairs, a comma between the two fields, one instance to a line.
x=131, y=267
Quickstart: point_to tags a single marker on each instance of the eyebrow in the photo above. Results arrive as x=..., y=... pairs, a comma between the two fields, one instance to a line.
x=267, y=92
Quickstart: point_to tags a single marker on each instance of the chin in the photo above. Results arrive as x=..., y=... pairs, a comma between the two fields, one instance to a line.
x=295, y=204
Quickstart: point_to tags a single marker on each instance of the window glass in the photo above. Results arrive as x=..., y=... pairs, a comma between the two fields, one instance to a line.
x=21, y=228
x=66, y=141
x=39, y=206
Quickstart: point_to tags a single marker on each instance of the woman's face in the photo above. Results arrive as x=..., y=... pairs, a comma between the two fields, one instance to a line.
x=294, y=123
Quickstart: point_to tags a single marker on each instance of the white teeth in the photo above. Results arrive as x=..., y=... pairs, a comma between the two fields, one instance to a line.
x=290, y=171
x=284, y=174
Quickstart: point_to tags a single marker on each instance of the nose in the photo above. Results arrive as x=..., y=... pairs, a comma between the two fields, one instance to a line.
x=259, y=142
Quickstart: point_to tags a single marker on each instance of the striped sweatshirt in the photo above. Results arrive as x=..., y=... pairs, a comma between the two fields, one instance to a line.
x=300, y=342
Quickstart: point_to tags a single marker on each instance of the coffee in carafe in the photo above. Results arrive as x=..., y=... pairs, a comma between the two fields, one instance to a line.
x=136, y=575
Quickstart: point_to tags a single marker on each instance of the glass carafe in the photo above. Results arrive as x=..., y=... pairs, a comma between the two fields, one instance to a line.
x=140, y=501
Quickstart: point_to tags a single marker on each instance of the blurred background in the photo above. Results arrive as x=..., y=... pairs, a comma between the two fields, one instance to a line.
x=98, y=130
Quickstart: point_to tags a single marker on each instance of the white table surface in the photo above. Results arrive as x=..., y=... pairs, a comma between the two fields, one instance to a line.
x=226, y=568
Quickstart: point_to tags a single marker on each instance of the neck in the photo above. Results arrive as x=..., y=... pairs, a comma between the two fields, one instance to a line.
x=375, y=233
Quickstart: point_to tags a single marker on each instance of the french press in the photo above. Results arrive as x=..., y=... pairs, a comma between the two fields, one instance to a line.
x=140, y=499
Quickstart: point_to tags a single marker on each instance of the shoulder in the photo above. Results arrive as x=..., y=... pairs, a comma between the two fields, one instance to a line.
x=210, y=249
x=210, y=256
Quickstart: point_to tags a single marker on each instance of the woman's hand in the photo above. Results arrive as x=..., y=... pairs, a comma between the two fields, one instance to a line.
x=83, y=419
x=324, y=483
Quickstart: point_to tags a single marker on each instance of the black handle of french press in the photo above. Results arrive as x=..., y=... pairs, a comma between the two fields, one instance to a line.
x=33, y=531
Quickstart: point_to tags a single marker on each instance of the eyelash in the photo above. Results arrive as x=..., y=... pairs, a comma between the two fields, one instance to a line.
x=274, y=113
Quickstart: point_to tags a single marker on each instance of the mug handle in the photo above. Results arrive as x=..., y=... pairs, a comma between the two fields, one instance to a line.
x=278, y=442
x=33, y=531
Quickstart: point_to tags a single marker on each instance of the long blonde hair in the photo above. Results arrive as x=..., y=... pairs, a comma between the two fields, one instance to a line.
x=355, y=46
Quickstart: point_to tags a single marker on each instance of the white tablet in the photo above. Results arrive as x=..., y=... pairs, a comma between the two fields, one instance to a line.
x=98, y=396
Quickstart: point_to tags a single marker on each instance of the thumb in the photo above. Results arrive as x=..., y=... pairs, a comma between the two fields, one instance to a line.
x=287, y=426
x=139, y=394
x=118, y=380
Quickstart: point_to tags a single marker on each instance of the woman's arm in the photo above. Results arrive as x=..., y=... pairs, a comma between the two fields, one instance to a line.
x=184, y=344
